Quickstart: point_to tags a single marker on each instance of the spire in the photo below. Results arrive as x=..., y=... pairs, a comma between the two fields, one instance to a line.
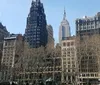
x=64, y=17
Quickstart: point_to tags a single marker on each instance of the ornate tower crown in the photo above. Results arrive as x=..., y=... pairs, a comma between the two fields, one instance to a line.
x=37, y=0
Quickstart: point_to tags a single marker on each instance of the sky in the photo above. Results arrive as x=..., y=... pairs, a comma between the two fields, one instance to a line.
x=13, y=13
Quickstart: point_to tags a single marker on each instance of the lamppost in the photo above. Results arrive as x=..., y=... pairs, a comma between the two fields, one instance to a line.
x=53, y=69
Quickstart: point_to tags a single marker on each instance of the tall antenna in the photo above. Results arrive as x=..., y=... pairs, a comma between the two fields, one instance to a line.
x=64, y=17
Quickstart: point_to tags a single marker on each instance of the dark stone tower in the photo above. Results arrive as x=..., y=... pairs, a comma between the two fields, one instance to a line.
x=36, y=33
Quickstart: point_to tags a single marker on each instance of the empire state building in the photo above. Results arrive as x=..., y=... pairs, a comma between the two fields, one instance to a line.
x=64, y=29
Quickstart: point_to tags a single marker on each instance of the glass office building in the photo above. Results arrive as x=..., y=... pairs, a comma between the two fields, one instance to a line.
x=36, y=33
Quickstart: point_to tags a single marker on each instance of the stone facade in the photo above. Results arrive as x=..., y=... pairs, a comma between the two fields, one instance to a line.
x=88, y=25
x=12, y=48
x=69, y=61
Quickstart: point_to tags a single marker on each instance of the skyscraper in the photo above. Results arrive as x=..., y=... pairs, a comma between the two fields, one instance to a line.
x=36, y=33
x=64, y=30
x=50, y=36
x=3, y=33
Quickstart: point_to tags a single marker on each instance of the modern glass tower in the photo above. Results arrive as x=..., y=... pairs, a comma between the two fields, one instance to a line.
x=36, y=33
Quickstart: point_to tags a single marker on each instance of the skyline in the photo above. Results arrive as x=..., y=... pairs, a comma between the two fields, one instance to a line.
x=13, y=13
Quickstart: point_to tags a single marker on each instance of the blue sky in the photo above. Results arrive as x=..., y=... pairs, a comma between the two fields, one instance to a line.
x=13, y=13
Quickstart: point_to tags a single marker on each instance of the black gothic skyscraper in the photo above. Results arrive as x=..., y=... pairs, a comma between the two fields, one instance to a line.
x=36, y=33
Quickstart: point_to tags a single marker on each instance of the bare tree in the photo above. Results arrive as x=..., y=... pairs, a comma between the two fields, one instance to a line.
x=88, y=53
x=39, y=63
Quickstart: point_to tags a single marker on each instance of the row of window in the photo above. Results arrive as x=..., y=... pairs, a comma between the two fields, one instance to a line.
x=33, y=34
x=88, y=70
x=7, y=55
x=86, y=28
x=69, y=62
x=69, y=70
x=69, y=66
x=68, y=43
x=89, y=23
x=92, y=75
x=69, y=79
x=69, y=58
x=32, y=30
x=9, y=43
x=68, y=52
x=7, y=63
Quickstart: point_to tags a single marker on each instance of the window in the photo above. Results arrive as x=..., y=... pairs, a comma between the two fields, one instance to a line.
x=68, y=66
x=68, y=59
x=73, y=62
x=64, y=55
x=38, y=29
x=10, y=63
x=92, y=74
x=72, y=43
x=73, y=66
x=68, y=53
x=34, y=29
x=64, y=44
x=38, y=38
x=65, y=77
x=73, y=70
x=34, y=35
x=68, y=70
x=64, y=58
x=34, y=32
x=5, y=43
x=64, y=52
x=37, y=42
x=69, y=62
x=38, y=35
x=68, y=44
x=38, y=32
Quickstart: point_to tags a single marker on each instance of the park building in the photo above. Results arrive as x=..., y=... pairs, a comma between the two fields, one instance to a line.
x=86, y=28
x=69, y=61
x=12, y=48
x=88, y=25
